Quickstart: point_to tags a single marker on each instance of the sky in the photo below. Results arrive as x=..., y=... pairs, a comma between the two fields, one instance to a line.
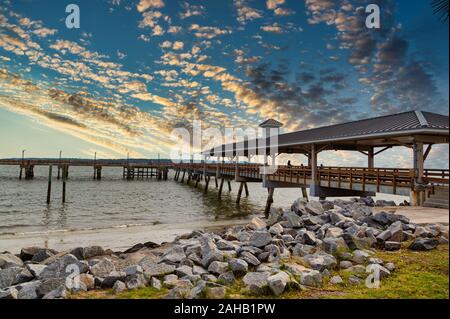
x=135, y=70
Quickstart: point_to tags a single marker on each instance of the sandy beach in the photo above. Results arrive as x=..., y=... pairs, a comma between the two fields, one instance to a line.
x=117, y=239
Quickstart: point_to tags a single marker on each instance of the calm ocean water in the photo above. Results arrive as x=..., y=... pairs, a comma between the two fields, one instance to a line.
x=114, y=202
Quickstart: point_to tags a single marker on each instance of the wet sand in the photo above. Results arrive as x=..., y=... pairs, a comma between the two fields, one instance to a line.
x=117, y=239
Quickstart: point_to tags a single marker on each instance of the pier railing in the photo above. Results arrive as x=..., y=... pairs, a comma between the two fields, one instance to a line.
x=333, y=176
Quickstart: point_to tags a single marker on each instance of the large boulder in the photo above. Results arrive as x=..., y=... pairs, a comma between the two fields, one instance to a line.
x=250, y=258
x=63, y=267
x=314, y=208
x=321, y=261
x=260, y=239
x=9, y=260
x=238, y=266
x=278, y=282
x=256, y=282
x=218, y=268
x=311, y=278
x=103, y=268
x=10, y=293
x=152, y=269
x=423, y=244
x=175, y=255
x=293, y=220
x=9, y=276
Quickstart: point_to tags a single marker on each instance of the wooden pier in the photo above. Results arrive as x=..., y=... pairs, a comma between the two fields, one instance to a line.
x=131, y=171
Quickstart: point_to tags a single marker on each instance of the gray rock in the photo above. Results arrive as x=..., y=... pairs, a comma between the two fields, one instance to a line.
x=58, y=293
x=133, y=270
x=216, y=292
x=314, y=208
x=183, y=271
x=333, y=245
x=27, y=253
x=311, y=278
x=156, y=283
x=336, y=280
x=227, y=278
x=152, y=269
x=197, y=270
x=179, y=293
x=238, y=266
x=423, y=244
x=374, y=260
x=278, y=282
x=392, y=245
x=256, y=282
x=170, y=281
x=111, y=278
x=396, y=230
x=360, y=256
x=211, y=256
x=135, y=281
x=390, y=267
x=63, y=267
x=250, y=258
x=87, y=280
x=226, y=245
x=8, y=260
x=301, y=250
x=218, y=268
x=320, y=261
x=293, y=220
x=36, y=269
x=345, y=264
x=103, y=268
x=42, y=255
x=260, y=239
x=119, y=287
x=276, y=229
x=209, y=278
x=257, y=224
x=378, y=270
x=9, y=276
x=334, y=232
x=307, y=237
x=10, y=293
x=48, y=285
x=175, y=255
x=28, y=290
x=93, y=251
x=353, y=280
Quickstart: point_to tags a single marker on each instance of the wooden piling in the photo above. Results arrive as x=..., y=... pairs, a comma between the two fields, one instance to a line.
x=217, y=184
x=246, y=189
x=221, y=187
x=241, y=186
x=197, y=180
x=269, y=201
x=229, y=186
x=207, y=178
x=49, y=187
x=305, y=194
x=20, y=174
x=64, y=172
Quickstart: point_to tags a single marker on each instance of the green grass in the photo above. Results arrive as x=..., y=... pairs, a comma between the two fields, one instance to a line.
x=418, y=275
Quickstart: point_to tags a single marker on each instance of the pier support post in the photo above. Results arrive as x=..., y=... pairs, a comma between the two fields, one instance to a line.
x=29, y=172
x=64, y=172
x=221, y=187
x=49, y=187
x=59, y=173
x=241, y=186
x=207, y=179
x=305, y=194
x=182, y=178
x=229, y=185
x=246, y=189
x=217, y=184
x=197, y=180
x=21, y=171
x=371, y=158
x=418, y=192
x=269, y=201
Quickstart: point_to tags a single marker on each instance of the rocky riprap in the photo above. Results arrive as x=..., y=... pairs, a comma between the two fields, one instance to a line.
x=291, y=249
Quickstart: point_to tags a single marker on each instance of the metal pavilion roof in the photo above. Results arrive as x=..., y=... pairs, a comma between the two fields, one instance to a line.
x=373, y=132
